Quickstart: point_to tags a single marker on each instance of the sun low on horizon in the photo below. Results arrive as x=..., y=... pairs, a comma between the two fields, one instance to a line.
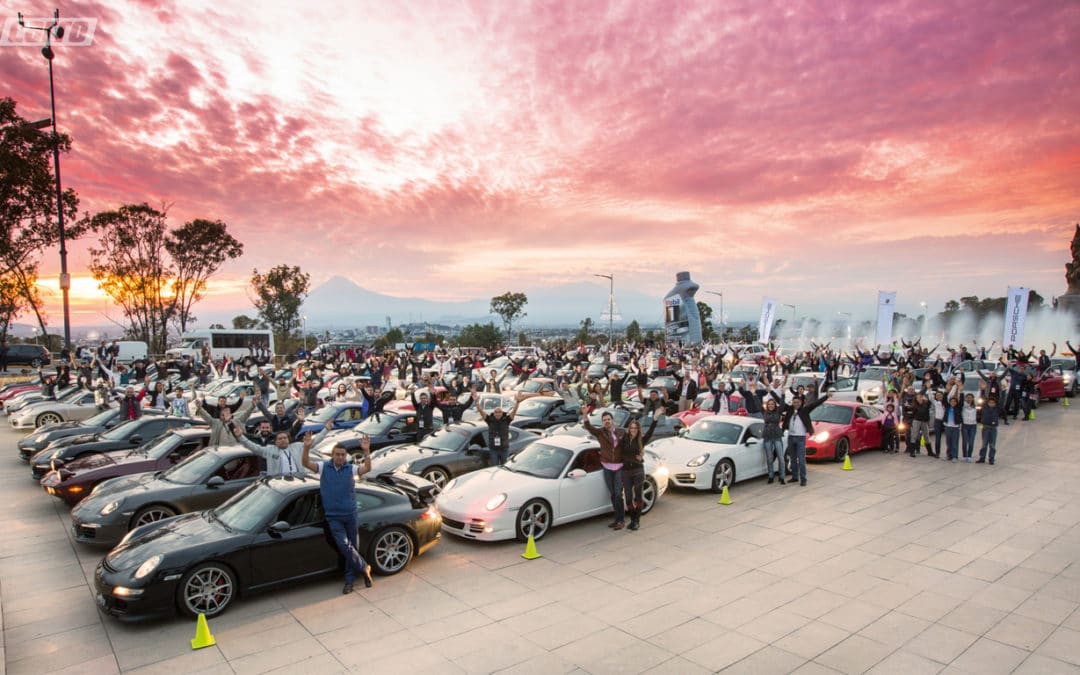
x=815, y=152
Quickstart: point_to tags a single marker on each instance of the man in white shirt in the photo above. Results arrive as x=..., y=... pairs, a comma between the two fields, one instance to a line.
x=282, y=458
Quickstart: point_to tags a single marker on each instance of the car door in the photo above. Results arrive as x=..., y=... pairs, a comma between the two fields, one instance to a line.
x=237, y=474
x=869, y=431
x=474, y=456
x=148, y=429
x=302, y=550
x=349, y=418
x=586, y=495
x=752, y=452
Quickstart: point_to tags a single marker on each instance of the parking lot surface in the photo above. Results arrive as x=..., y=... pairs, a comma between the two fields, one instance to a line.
x=899, y=566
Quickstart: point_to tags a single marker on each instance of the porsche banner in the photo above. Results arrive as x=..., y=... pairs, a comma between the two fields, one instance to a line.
x=1016, y=306
x=768, y=317
x=886, y=306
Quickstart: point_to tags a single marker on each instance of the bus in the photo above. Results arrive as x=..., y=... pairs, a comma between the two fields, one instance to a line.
x=236, y=344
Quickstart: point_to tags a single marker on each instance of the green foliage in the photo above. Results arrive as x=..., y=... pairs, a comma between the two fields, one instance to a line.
x=198, y=249
x=510, y=307
x=245, y=322
x=278, y=296
x=387, y=341
x=478, y=335
x=705, y=312
x=633, y=332
x=583, y=333
x=217, y=326
x=523, y=341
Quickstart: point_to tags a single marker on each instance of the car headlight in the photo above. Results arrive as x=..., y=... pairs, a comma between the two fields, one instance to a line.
x=820, y=437
x=495, y=502
x=149, y=566
x=699, y=460
x=110, y=507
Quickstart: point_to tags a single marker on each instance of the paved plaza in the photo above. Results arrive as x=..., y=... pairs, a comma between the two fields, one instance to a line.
x=900, y=566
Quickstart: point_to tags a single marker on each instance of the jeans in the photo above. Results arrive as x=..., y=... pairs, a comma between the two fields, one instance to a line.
x=952, y=435
x=774, y=448
x=967, y=435
x=343, y=529
x=633, y=484
x=796, y=446
x=613, y=481
x=989, y=439
x=920, y=430
x=496, y=457
x=939, y=430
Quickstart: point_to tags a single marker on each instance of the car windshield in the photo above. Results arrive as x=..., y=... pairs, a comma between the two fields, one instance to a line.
x=618, y=416
x=831, y=414
x=540, y=460
x=189, y=344
x=533, y=407
x=712, y=431
x=120, y=431
x=662, y=383
x=445, y=441
x=489, y=402
x=71, y=395
x=100, y=419
x=376, y=424
x=159, y=447
x=323, y=416
x=803, y=381
x=248, y=508
x=194, y=469
x=873, y=374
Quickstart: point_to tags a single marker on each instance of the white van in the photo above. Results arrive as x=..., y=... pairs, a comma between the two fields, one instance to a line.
x=235, y=344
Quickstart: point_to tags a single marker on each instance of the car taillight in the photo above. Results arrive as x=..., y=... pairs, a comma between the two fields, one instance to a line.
x=429, y=513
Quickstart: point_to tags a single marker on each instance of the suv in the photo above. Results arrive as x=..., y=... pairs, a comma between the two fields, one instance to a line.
x=34, y=356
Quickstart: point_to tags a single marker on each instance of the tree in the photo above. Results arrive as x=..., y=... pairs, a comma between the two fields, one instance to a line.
x=217, y=326
x=278, y=296
x=387, y=341
x=245, y=322
x=510, y=307
x=586, y=328
x=28, y=222
x=198, y=249
x=705, y=312
x=633, y=332
x=485, y=336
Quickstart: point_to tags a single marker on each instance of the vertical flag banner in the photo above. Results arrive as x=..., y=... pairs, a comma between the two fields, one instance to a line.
x=1016, y=306
x=768, y=317
x=886, y=308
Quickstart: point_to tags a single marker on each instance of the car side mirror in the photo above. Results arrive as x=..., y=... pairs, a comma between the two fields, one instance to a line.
x=278, y=528
x=392, y=433
x=136, y=439
x=751, y=440
x=860, y=420
x=215, y=482
x=576, y=473
x=683, y=431
x=174, y=457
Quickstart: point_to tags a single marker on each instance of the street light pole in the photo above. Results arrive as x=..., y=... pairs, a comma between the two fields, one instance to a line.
x=611, y=309
x=65, y=280
x=303, y=317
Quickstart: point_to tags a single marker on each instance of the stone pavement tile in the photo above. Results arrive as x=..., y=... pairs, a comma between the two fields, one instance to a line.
x=913, y=553
x=1026, y=579
x=1047, y=562
x=657, y=621
x=338, y=611
x=852, y=584
x=972, y=618
x=242, y=641
x=682, y=638
x=374, y=626
x=948, y=561
x=723, y=650
x=815, y=603
x=562, y=633
x=370, y=647
x=1037, y=664
x=596, y=646
x=853, y=615
x=988, y=656
x=1073, y=621
x=68, y=618
x=1020, y=631
x=436, y=630
x=103, y=665
x=320, y=663
x=774, y=625
x=814, y=668
x=277, y=655
x=58, y=650
x=678, y=666
x=192, y=661
x=636, y=657
x=541, y=617
x=766, y=661
x=137, y=645
x=959, y=586
x=903, y=662
x=941, y=643
x=891, y=569
x=1009, y=554
x=884, y=545
x=513, y=606
x=811, y=640
x=855, y=654
x=890, y=594
x=929, y=606
x=1046, y=608
x=417, y=661
x=543, y=664
x=1064, y=587
x=895, y=628
x=1063, y=644
x=1001, y=597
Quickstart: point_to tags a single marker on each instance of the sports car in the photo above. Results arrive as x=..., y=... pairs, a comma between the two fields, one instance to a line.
x=272, y=533
x=344, y=416
x=21, y=400
x=717, y=450
x=74, y=480
x=553, y=481
x=454, y=450
x=203, y=480
x=387, y=428
x=103, y=421
x=621, y=416
x=77, y=405
x=541, y=412
x=843, y=427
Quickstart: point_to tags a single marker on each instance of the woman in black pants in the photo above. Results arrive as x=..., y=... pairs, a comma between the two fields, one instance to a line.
x=633, y=471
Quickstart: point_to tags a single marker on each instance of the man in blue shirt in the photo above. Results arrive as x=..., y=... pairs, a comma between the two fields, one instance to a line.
x=338, y=492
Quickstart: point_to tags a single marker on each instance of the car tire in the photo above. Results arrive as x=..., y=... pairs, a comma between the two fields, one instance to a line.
x=843, y=447
x=723, y=474
x=207, y=589
x=47, y=418
x=36, y=363
x=533, y=518
x=437, y=475
x=649, y=493
x=390, y=551
x=151, y=514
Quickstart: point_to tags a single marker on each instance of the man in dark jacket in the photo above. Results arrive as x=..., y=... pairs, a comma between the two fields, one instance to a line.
x=989, y=416
x=796, y=421
x=611, y=443
x=920, y=424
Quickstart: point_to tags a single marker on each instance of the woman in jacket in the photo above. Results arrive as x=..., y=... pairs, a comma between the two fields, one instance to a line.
x=772, y=437
x=633, y=468
x=968, y=424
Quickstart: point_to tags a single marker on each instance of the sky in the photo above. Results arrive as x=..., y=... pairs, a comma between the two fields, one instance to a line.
x=813, y=151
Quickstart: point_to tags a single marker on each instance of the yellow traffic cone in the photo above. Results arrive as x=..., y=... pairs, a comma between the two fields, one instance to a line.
x=847, y=462
x=530, y=550
x=725, y=498
x=1065, y=401
x=1031, y=415
x=203, y=638
x=922, y=441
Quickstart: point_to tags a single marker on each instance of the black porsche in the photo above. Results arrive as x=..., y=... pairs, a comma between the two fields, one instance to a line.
x=103, y=421
x=272, y=533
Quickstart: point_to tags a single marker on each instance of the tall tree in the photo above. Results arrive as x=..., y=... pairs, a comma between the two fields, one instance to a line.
x=278, y=296
x=633, y=331
x=198, y=249
x=705, y=312
x=245, y=322
x=510, y=307
x=485, y=336
x=586, y=328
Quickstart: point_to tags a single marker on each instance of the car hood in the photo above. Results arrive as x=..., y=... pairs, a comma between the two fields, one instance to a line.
x=103, y=459
x=56, y=426
x=679, y=451
x=473, y=490
x=168, y=537
x=65, y=441
x=388, y=459
x=568, y=429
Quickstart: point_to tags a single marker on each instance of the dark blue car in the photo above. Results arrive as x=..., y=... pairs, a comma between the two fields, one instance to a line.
x=344, y=415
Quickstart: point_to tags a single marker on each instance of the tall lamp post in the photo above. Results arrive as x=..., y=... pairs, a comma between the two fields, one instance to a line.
x=56, y=29
x=722, y=325
x=610, y=309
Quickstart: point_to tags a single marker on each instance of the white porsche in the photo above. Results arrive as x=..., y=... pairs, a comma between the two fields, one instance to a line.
x=553, y=481
x=716, y=451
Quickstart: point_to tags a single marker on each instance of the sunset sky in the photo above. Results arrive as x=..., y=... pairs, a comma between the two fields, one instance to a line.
x=815, y=151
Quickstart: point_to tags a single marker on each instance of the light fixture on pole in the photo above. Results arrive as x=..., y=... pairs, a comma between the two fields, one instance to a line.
x=611, y=308
x=303, y=318
x=65, y=280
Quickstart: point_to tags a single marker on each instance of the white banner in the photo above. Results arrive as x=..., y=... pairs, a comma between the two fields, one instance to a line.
x=1016, y=306
x=768, y=317
x=886, y=307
